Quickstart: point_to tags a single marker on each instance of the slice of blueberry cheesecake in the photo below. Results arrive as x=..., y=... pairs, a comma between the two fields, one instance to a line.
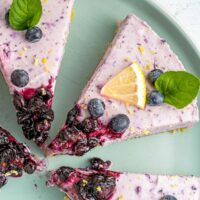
x=32, y=41
x=15, y=157
x=98, y=183
x=140, y=88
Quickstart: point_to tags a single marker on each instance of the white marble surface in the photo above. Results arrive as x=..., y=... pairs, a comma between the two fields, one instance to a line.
x=187, y=14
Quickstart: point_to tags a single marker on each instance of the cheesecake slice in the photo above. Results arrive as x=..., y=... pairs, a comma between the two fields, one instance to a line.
x=98, y=183
x=99, y=120
x=30, y=67
x=15, y=157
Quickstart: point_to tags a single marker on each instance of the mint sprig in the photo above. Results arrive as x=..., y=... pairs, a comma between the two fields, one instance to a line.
x=25, y=14
x=179, y=88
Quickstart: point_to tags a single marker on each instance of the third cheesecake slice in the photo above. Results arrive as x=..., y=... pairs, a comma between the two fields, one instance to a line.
x=30, y=60
x=104, y=113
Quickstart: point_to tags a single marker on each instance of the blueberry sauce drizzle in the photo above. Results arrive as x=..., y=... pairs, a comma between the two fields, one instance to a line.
x=14, y=158
x=95, y=182
x=34, y=113
x=77, y=138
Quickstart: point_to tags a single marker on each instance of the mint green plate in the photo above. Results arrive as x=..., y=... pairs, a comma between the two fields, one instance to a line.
x=92, y=29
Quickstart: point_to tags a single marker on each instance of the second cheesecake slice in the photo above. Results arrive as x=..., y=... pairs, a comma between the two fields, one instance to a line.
x=101, y=115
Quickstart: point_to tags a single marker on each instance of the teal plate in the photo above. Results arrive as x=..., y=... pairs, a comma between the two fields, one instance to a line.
x=91, y=31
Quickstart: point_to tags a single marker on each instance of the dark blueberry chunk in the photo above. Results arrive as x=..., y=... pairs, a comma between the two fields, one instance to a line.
x=154, y=74
x=3, y=137
x=14, y=170
x=64, y=173
x=49, y=115
x=29, y=166
x=93, y=142
x=81, y=148
x=7, y=17
x=3, y=180
x=90, y=125
x=29, y=132
x=24, y=117
x=155, y=98
x=72, y=115
x=33, y=34
x=97, y=187
x=119, y=123
x=45, y=94
x=18, y=101
x=71, y=135
x=96, y=108
x=168, y=197
x=98, y=164
x=7, y=155
x=42, y=126
x=40, y=138
x=20, y=78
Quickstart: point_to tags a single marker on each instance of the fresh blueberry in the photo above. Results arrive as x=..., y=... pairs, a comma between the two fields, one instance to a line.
x=33, y=34
x=3, y=180
x=96, y=108
x=7, y=17
x=154, y=74
x=119, y=123
x=64, y=173
x=20, y=78
x=155, y=98
x=168, y=197
x=29, y=166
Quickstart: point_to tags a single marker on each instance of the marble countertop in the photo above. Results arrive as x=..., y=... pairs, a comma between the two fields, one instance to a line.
x=187, y=14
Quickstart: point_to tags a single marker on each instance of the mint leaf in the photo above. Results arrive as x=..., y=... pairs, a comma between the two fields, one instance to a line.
x=178, y=87
x=25, y=14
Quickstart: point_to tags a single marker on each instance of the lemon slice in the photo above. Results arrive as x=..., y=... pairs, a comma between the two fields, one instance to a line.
x=129, y=86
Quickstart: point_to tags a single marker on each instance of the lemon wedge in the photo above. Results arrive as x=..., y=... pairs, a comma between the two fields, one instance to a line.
x=129, y=87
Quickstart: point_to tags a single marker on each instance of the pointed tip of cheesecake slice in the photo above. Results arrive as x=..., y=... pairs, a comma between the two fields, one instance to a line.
x=31, y=68
x=98, y=182
x=15, y=157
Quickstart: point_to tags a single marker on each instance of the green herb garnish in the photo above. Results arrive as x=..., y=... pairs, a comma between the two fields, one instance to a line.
x=179, y=88
x=25, y=14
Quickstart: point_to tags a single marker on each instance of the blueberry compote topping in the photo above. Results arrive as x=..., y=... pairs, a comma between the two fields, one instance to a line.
x=78, y=137
x=92, y=183
x=99, y=164
x=14, y=157
x=96, y=187
x=168, y=197
x=35, y=114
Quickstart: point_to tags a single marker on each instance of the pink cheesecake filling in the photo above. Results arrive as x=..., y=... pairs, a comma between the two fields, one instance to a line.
x=135, y=42
x=39, y=61
x=92, y=184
